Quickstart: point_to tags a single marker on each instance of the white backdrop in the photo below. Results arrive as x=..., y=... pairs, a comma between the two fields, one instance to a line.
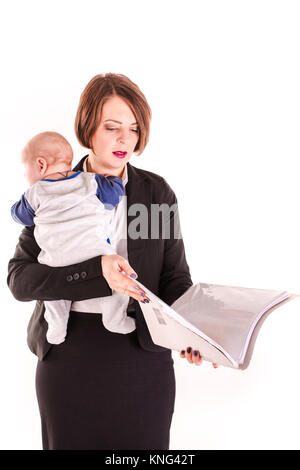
x=222, y=79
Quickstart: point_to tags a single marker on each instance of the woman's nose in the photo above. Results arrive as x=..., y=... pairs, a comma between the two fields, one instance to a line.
x=123, y=136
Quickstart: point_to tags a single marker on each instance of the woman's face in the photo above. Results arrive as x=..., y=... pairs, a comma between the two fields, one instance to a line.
x=117, y=131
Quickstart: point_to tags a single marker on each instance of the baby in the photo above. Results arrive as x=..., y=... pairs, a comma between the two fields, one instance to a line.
x=72, y=213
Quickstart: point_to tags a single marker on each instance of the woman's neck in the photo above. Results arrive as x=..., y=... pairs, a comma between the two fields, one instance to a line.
x=94, y=167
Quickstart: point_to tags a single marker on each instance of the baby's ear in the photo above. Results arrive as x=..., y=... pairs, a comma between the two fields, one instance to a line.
x=42, y=164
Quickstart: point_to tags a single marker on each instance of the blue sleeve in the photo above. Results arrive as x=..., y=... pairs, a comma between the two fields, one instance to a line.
x=109, y=190
x=22, y=212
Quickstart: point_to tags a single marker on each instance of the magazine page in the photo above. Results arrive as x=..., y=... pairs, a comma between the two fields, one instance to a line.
x=170, y=330
x=227, y=314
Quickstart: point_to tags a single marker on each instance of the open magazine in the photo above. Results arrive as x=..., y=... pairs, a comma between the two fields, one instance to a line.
x=222, y=322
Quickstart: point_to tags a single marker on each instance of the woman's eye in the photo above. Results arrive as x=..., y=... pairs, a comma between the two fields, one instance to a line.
x=113, y=129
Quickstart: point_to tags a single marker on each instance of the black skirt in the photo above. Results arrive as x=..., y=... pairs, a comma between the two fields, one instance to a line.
x=101, y=390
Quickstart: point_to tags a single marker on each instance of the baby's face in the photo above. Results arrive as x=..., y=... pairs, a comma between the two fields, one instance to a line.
x=31, y=169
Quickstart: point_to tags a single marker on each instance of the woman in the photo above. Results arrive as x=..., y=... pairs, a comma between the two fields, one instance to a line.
x=98, y=389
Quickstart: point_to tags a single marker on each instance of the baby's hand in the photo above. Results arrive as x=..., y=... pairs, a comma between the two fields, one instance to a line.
x=193, y=357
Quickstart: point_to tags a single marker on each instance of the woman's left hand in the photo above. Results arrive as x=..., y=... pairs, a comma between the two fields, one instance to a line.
x=193, y=357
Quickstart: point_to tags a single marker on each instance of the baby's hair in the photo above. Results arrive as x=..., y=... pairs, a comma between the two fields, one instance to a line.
x=49, y=145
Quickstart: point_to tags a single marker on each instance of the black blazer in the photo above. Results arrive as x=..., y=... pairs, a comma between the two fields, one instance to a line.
x=160, y=264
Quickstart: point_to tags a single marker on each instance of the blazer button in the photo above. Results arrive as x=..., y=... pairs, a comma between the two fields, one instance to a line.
x=70, y=278
x=75, y=276
x=83, y=275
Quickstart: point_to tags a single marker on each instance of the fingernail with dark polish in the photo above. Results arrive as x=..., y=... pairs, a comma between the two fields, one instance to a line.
x=195, y=353
x=189, y=350
x=182, y=352
x=133, y=276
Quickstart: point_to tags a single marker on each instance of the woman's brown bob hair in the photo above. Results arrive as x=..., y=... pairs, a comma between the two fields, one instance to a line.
x=96, y=93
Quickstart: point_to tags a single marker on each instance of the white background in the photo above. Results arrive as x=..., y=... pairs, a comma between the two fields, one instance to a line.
x=222, y=79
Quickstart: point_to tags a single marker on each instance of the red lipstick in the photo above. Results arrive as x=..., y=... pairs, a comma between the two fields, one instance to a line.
x=120, y=154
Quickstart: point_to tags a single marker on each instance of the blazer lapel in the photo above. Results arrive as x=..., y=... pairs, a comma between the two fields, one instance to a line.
x=79, y=166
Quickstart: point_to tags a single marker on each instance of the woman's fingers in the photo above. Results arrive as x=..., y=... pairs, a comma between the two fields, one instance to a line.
x=197, y=359
x=134, y=291
x=125, y=266
x=193, y=357
x=188, y=355
x=120, y=276
x=121, y=283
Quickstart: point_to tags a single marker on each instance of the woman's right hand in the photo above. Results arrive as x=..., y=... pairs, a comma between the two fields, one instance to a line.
x=120, y=277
